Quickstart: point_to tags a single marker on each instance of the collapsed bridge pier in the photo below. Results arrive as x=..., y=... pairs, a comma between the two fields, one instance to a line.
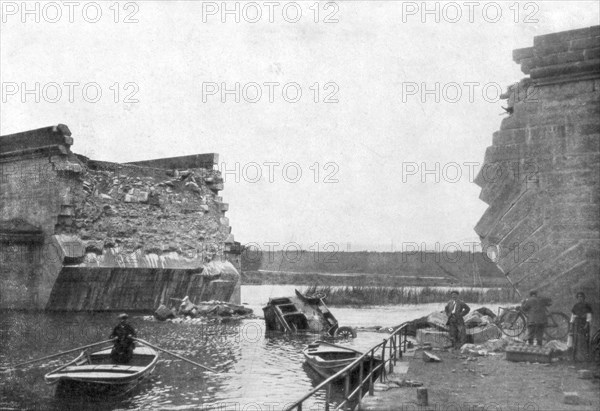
x=79, y=234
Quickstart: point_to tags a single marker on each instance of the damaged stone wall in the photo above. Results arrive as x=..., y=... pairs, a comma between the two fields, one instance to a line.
x=67, y=221
x=541, y=175
x=139, y=216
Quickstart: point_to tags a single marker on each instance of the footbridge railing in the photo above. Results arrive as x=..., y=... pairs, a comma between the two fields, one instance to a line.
x=387, y=352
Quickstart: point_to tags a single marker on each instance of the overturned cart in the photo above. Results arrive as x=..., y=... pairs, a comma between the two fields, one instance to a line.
x=302, y=313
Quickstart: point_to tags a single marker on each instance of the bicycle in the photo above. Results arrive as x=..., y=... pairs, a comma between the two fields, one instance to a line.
x=513, y=321
x=595, y=346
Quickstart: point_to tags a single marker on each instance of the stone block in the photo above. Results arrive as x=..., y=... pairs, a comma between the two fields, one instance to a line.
x=68, y=166
x=571, y=398
x=216, y=187
x=527, y=65
x=590, y=54
x=523, y=53
x=583, y=144
x=558, y=58
x=545, y=133
x=483, y=334
x=143, y=197
x=562, y=36
x=508, y=137
x=588, y=129
x=586, y=66
x=584, y=43
x=500, y=154
x=437, y=339
x=162, y=313
x=543, y=50
x=194, y=161
x=66, y=210
x=71, y=248
x=193, y=186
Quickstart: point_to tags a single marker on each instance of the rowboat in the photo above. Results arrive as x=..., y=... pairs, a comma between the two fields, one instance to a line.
x=328, y=359
x=95, y=374
x=301, y=313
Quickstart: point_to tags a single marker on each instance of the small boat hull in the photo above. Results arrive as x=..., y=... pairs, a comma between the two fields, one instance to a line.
x=328, y=359
x=76, y=389
x=95, y=375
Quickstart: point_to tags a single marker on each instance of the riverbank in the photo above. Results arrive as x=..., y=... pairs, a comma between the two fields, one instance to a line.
x=308, y=278
x=361, y=296
x=466, y=383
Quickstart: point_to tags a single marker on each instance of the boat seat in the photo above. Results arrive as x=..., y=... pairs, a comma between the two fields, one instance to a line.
x=123, y=368
x=109, y=376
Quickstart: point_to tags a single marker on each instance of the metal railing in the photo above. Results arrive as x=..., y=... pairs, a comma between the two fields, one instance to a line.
x=395, y=345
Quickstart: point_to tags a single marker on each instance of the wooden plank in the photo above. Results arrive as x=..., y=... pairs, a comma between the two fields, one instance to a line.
x=428, y=357
x=97, y=368
x=110, y=376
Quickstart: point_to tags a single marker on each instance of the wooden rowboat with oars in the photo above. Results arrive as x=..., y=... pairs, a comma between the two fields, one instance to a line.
x=95, y=374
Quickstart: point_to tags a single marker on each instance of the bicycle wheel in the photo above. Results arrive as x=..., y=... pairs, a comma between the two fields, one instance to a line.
x=512, y=323
x=596, y=347
x=558, y=326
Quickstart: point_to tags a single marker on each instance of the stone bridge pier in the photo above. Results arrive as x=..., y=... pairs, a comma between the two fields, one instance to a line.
x=78, y=234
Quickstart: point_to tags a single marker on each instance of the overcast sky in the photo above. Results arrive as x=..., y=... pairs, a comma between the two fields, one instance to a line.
x=359, y=134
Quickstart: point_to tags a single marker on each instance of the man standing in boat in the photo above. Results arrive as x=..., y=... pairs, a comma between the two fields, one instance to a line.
x=456, y=310
x=123, y=335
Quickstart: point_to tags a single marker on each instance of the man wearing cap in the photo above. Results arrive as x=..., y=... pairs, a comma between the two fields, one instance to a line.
x=537, y=317
x=456, y=310
x=123, y=335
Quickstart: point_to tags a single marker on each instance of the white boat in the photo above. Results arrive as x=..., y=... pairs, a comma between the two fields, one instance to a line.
x=95, y=374
x=328, y=359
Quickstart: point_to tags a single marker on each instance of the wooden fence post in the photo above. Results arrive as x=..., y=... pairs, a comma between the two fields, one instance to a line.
x=371, y=391
x=383, y=361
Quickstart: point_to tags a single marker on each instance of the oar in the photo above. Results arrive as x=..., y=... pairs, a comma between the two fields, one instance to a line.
x=56, y=355
x=175, y=355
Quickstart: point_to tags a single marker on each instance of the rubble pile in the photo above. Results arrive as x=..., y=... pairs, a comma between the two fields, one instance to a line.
x=433, y=331
x=188, y=310
x=149, y=211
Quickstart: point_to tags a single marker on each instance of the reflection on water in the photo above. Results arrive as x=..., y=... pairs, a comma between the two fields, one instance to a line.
x=257, y=371
x=254, y=368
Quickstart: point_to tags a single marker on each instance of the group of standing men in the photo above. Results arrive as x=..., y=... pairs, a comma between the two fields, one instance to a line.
x=535, y=308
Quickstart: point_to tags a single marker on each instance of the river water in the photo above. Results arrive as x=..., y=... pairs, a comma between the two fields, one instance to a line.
x=256, y=371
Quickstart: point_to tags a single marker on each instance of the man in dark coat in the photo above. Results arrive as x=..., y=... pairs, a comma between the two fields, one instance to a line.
x=123, y=334
x=456, y=310
x=537, y=317
x=581, y=319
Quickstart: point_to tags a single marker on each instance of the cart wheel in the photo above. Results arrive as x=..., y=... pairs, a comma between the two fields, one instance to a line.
x=345, y=332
